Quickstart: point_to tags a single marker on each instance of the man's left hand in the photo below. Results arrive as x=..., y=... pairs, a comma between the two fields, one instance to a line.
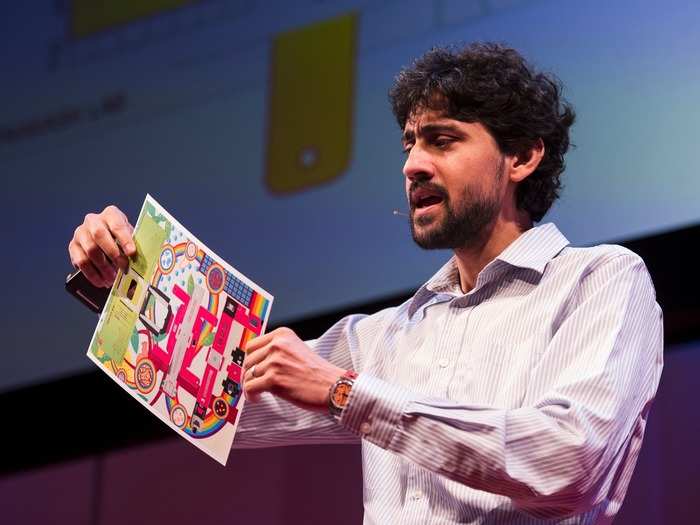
x=282, y=364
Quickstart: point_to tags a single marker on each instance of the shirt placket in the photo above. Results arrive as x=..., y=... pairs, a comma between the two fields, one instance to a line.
x=416, y=504
x=416, y=507
x=448, y=347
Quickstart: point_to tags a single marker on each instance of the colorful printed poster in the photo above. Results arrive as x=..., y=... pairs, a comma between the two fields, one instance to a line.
x=173, y=330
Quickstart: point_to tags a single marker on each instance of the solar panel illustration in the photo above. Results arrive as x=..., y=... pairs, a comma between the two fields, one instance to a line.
x=234, y=287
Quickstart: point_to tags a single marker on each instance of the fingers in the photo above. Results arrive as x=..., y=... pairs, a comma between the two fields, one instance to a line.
x=121, y=230
x=255, y=358
x=257, y=343
x=255, y=366
x=283, y=365
x=80, y=260
x=109, y=228
x=263, y=351
x=95, y=256
x=95, y=247
x=259, y=352
x=285, y=334
x=253, y=386
x=253, y=383
x=99, y=244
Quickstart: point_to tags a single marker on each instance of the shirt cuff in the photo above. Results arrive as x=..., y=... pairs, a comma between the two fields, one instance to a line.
x=374, y=409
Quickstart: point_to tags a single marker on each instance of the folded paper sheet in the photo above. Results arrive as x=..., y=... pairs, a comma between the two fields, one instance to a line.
x=174, y=330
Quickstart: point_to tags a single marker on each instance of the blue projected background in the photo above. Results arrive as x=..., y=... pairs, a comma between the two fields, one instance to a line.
x=206, y=106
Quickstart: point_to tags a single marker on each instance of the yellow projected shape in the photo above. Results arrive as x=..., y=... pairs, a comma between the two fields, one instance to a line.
x=92, y=16
x=310, y=123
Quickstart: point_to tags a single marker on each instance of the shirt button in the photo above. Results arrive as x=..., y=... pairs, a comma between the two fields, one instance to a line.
x=365, y=428
x=443, y=363
x=415, y=495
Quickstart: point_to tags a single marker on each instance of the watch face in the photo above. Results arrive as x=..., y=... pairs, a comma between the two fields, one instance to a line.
x=341, y=393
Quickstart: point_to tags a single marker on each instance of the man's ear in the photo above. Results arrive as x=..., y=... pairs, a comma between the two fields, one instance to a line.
x=524, y=163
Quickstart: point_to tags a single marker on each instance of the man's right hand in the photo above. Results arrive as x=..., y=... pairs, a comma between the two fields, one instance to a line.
x=95, y=246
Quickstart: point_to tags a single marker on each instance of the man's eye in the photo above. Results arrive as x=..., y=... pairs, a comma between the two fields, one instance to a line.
x=406, y=149
x=442, y=142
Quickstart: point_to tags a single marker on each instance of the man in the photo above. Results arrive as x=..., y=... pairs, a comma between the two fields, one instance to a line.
x=515, y=385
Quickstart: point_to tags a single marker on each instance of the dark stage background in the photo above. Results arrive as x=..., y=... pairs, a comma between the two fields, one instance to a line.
x=264, y=128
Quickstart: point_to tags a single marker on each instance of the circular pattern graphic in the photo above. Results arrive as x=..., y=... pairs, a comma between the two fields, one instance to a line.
x=178, y=415
x=220, y=408
x=167, y=259
x=216, y=278
x=191, y=251
x=145, y=375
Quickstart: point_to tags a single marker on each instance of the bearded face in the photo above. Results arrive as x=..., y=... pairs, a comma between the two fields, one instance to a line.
x=439, y=221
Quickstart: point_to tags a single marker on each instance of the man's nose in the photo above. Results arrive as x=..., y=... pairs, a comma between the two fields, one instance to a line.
x=417, y=165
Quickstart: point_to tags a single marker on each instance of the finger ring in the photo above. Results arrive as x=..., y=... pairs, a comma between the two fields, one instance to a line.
x=252, y=371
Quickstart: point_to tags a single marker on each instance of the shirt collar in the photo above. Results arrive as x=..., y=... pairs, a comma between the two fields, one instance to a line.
x=532, y=250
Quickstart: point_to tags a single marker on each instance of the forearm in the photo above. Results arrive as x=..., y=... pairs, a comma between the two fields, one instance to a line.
x=273, y=422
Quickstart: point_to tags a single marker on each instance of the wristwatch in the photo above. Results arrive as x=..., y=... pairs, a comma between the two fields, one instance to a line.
x=339, y=393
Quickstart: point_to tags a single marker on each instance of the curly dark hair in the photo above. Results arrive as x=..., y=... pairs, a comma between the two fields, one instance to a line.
x=494, y=85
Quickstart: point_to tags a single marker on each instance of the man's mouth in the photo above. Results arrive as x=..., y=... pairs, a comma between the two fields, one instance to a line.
x=424, y=198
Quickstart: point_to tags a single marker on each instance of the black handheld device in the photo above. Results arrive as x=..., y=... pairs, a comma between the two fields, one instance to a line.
x=87, y=293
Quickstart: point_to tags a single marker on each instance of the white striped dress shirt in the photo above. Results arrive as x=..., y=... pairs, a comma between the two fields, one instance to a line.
x=522, y=401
